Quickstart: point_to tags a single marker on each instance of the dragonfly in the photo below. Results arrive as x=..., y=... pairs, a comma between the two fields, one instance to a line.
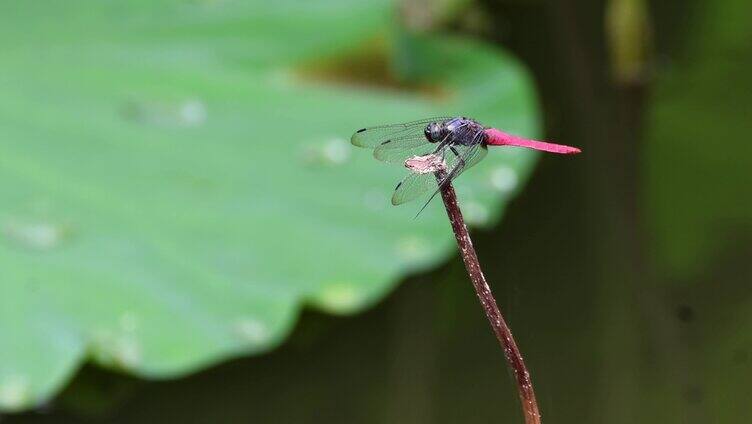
x=457, y=143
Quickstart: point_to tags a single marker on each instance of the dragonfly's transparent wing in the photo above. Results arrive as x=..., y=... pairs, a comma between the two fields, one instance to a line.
x=412, y=186
x=375, y=136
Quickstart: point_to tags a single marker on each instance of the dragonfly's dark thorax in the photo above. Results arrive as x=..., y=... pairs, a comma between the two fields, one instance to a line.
x=462, y=131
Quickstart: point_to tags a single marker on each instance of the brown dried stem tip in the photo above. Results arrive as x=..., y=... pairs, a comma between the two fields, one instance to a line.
x=499, y=326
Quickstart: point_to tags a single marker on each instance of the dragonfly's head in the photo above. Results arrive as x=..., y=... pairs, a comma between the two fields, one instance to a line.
x=434, y=132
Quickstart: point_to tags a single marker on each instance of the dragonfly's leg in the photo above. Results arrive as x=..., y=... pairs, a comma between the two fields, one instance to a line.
x=440, y=148
x=461, y=161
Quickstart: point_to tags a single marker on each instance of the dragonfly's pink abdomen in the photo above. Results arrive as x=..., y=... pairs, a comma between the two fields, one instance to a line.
x=500, y=138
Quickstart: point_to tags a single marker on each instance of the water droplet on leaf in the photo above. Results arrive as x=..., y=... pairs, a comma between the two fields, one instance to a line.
x=413, y=249
x=252, y=330
x=193, y=112
x=337, y=150
x=35, y=235
x=333, y=151
x=15, y=392
x=504, y=179
x=188, y=113
x=475, y=213
x=340, y=297
x=116, y=349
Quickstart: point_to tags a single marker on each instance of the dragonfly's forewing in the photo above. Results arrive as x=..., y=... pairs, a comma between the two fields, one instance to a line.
x=375, y=136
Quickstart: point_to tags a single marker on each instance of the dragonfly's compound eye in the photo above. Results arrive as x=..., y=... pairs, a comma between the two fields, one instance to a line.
x=433, y=132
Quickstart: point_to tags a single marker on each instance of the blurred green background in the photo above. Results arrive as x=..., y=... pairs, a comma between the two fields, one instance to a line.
x=186, y=234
